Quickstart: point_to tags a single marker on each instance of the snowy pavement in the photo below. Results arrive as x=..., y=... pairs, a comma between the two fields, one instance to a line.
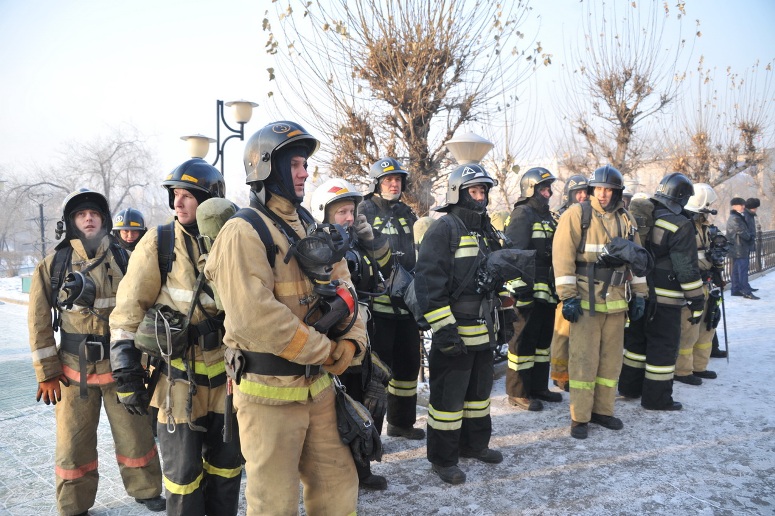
x=717, y=456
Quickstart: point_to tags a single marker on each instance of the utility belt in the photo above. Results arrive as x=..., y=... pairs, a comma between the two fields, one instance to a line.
x=270, y=364
x=211, y=331
x=95, y=347
x=468, y=307
x=609, y=276
x=174, y=373
x=88, y=349
x=613, y=277
x=478, y=307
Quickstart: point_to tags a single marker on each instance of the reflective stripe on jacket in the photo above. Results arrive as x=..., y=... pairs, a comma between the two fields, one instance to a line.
x=141, y=289
x=440, y=273
x=676, y=273
x=265, y=306
x=528, y=229
x=603, y=226
x=46, y=360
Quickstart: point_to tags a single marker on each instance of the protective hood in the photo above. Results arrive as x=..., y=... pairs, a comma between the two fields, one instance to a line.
x=280, y=180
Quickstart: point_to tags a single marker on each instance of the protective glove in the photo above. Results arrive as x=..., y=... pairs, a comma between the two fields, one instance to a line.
x=340, y=357
x=134, y=397
x=696, y=306
x=448, y=341
x=380, y=370
x=50, y=390
x=363, y=229
x=130, y=389
x=637, y=308
x=375, y=399
x=571, y=309
x=716, y=318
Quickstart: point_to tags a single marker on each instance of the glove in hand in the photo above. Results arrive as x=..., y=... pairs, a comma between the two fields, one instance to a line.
x=637, y=308
x=571, y=309
x=50, y=390
x=696, y=306
x=340, y=357
x=375, y=399
x=716, y=278
x=380, y=370
x=134, y=397
x=448, y=341
x=363, y=229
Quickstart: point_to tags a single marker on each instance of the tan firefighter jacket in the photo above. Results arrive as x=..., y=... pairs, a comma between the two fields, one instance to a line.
x=568, y=261
x=47, y=360
x=139, y=291
x=265, y=307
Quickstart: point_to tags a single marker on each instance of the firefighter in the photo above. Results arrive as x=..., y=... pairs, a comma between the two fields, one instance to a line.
x=336, y=202
x=201, y=472
x=575, y=191
x=651, y=344
x=594, y=298
x=129, y=228
x=691, y=367
x=396, y=336
x=285, y=394
x=79, y=282
x=531, y=226
x=461, y=358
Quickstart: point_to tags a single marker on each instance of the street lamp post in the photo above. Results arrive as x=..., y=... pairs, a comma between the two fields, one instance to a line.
x=469, y=148
x=199, y=144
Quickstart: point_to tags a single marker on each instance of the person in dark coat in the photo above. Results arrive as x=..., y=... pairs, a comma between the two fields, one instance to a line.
x=741, y=237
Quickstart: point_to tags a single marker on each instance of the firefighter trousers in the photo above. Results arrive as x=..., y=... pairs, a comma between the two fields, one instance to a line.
x=202, y=474
x=397, y=342
x=559, y=347
x=285, y=444
x=651, y=348
x=696, y=344
x=594, y=364
x=76, y=449
x=459, y=404
x=528, y=370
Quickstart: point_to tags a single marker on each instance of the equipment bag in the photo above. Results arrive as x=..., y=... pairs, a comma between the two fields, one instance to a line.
x=356, y=427
x=163, y=333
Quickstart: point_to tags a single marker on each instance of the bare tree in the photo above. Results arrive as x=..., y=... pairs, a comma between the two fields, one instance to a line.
x=398, y=77
x=118, y=164
x=626, y=72
x=723, y=130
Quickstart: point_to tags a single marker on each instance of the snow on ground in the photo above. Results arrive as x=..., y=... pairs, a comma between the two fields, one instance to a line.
x=717, y=456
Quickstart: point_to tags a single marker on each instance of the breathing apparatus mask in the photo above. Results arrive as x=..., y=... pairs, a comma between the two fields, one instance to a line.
x=316, y=254
x=78, y=289
x=718, y=248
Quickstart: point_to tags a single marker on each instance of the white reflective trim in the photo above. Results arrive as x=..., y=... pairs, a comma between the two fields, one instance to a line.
x=565, y=280
x=119, y=334
x=593, y=248
x=185, y=295
x=107, y=302
x=40, y=354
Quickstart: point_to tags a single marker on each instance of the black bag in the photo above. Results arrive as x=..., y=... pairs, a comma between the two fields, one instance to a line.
x=398, y=282
x=356, y=428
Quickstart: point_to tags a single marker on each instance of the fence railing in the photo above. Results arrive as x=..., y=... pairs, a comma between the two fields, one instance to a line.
x=762, y=259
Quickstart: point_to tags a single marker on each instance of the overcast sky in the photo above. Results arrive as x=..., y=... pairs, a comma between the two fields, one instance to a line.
x=74, y=68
